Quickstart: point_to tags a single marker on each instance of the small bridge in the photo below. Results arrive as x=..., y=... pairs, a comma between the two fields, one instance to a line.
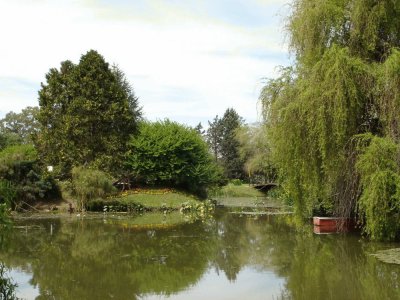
x=264, y=187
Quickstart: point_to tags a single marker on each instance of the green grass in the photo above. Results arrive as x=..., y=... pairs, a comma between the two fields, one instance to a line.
x=232, y=191
x=172, y=200
x=159, y=199
x=145, y=199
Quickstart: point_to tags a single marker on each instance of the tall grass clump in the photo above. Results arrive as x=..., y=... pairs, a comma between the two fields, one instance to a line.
x=88, y=184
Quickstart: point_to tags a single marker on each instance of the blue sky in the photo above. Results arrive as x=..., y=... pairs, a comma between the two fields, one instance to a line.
x=187, y=60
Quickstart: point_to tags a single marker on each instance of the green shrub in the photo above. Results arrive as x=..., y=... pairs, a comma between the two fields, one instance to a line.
x=281, y=195
x=19, y=166
x=66, y=189
x=13, y=157
x=103, y=205
x=89, y=184
x=8, y=192
x=5, y=220
x=236, y=182
x=166, y=153
x=9, y=139
x=7, y=197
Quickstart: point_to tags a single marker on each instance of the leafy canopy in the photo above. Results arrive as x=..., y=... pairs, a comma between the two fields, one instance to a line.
x=20, y=127
x=167, y=153
x=87, y=113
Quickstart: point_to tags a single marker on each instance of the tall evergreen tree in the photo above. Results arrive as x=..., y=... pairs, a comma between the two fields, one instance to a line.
x=221, y=137
x=87, y=113
x=199, y=129
x=325, y=112
x=214, y=136
x=231, y=160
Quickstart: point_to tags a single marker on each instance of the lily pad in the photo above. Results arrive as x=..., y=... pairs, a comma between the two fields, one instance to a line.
x=390, y=256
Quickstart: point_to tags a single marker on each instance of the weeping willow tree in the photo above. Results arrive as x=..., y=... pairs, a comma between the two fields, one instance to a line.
x=254, y=151
x=341, y=96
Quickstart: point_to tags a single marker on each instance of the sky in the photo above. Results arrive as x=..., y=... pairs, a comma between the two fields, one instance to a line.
x=187, y=60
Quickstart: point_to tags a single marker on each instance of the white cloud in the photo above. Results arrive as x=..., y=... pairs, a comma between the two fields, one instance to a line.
x=182, y=64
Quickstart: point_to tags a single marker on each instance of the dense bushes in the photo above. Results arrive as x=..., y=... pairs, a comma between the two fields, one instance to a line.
x=9, y=139
x=104, y=205
x=170, y=154
x=22, y=176
x=8, y=192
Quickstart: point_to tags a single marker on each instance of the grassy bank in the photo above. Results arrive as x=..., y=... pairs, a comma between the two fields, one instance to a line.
x=167, y=199
x=145, y=199
x=232, y=190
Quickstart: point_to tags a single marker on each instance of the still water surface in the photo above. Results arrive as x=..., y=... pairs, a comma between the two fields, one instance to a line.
x=225, y=257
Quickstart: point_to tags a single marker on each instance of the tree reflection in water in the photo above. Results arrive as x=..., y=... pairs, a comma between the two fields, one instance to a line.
x=90, y=259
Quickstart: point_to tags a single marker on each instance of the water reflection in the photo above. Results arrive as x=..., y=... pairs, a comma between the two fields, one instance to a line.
x=226, y=257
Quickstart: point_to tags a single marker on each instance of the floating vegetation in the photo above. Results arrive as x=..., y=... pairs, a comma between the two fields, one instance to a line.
x=390, y=256
x=146, y=191
x=261, y=213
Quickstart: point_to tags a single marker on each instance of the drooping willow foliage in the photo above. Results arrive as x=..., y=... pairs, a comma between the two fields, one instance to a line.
x=345, y=83
x=378, y=166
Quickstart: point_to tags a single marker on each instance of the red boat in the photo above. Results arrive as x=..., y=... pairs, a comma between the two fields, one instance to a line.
x=330, y=225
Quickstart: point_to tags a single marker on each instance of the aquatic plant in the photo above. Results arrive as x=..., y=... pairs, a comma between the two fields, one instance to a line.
x=199, y=210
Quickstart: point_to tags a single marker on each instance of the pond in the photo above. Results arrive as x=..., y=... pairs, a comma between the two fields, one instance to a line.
x=228, y=256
